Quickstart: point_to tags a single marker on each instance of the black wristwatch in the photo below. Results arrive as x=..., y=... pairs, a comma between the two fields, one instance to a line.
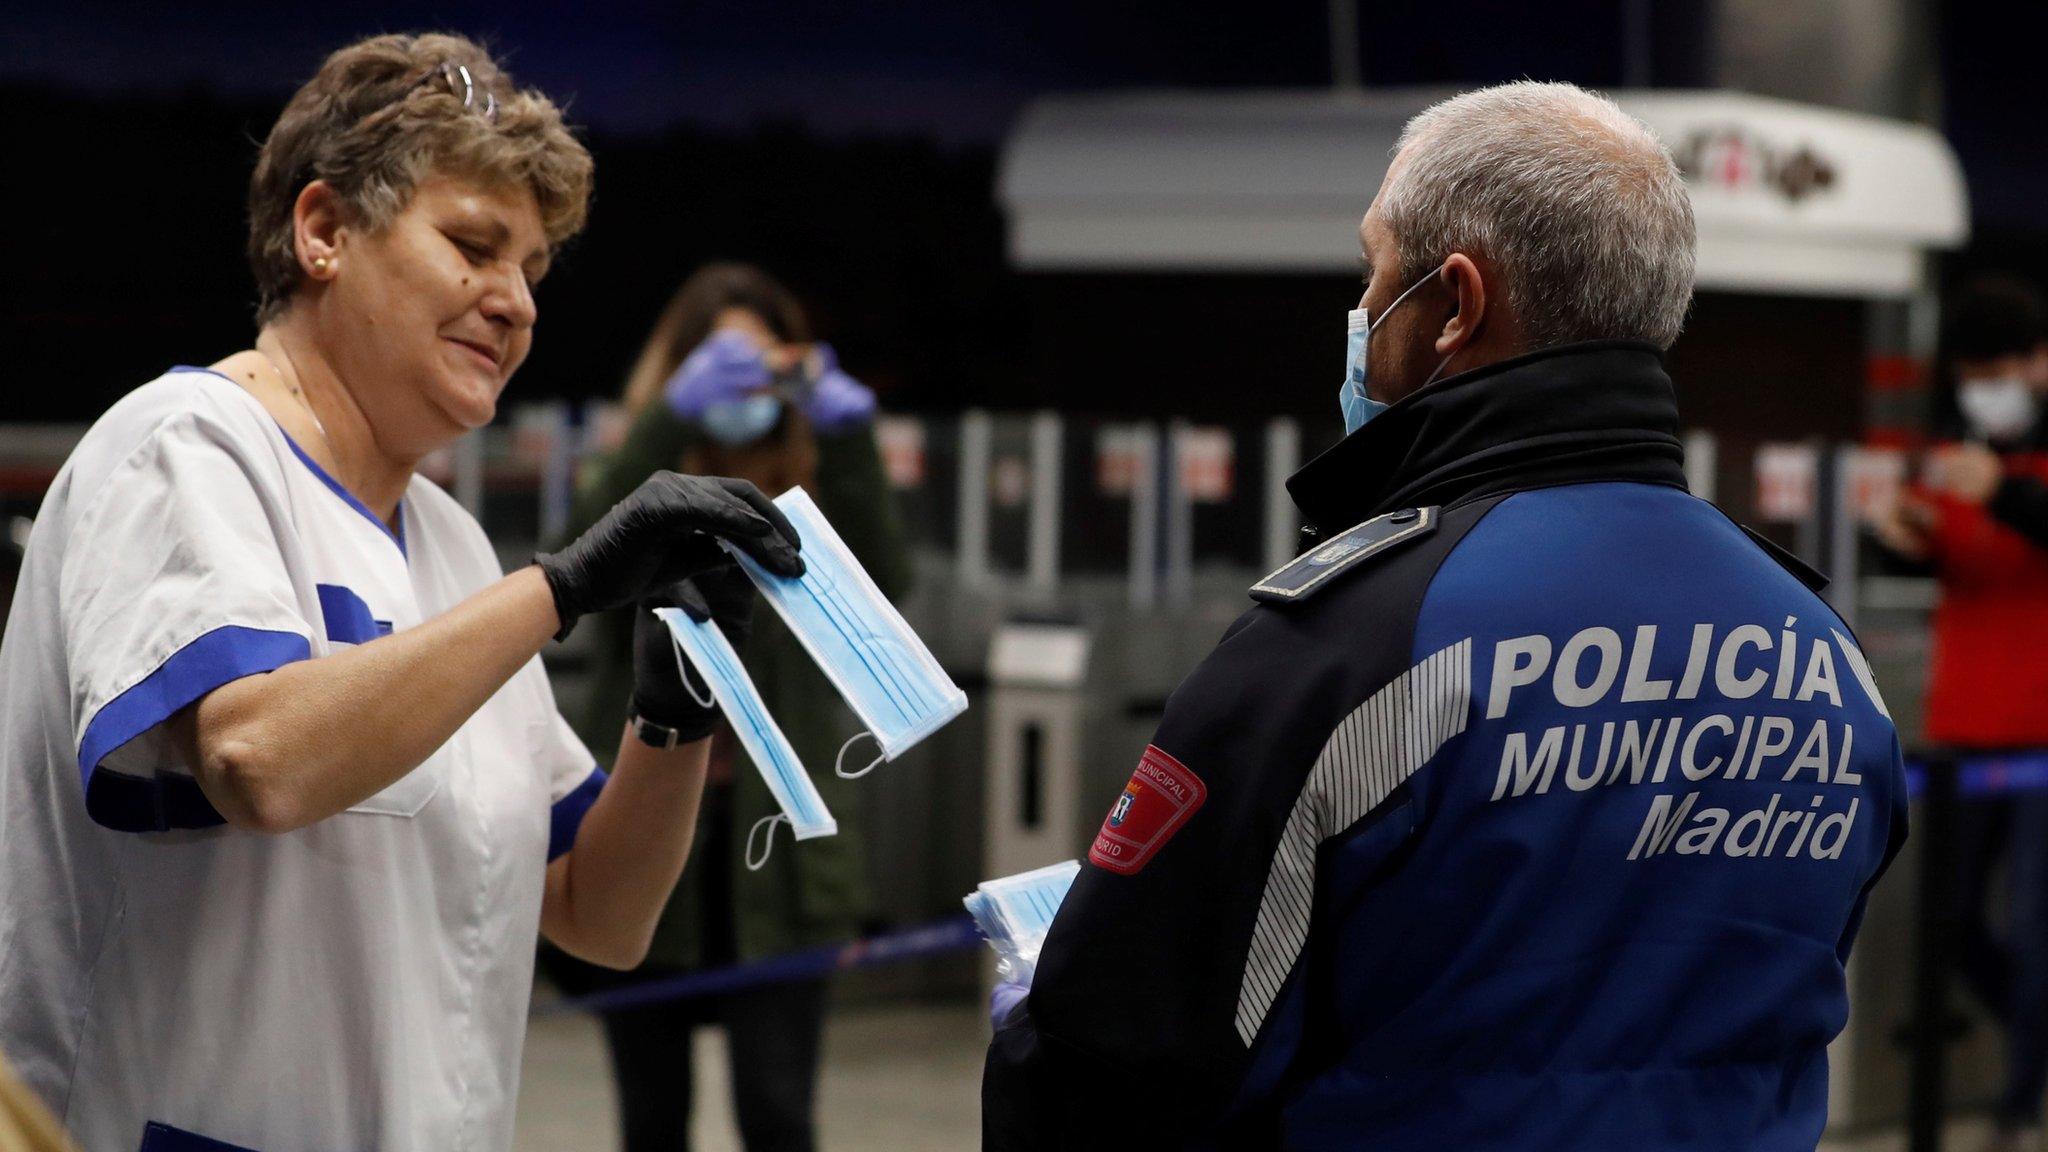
x=654, y=735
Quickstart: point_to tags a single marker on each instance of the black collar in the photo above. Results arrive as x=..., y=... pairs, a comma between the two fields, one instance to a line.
x=1601, y=410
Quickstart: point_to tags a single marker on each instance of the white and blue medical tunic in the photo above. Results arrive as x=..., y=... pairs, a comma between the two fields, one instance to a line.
x=358, y=984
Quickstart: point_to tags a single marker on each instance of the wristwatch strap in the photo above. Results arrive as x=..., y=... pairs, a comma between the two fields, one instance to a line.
x=654, y=735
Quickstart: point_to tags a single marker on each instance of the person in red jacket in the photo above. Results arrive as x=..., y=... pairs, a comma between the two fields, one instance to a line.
x=1978, y=520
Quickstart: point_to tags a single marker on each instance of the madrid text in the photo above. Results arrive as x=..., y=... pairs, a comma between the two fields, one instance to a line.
x=1806, y=754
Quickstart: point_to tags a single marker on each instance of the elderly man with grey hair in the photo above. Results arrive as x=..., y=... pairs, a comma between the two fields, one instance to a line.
x=1536, y=804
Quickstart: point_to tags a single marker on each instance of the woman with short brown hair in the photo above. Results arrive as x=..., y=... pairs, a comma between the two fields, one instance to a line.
x=284, y=795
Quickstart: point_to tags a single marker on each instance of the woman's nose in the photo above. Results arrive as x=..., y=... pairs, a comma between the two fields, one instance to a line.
x=510, y=301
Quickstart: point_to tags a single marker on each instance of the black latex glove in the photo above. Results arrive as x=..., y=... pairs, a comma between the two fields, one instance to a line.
x=660, y=695
x=666, y=531
x=725, y=596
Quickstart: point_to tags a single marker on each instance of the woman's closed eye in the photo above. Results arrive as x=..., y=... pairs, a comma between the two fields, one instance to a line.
x=476, y=253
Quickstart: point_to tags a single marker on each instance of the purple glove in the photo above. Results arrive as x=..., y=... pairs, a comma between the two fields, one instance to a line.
x=1004, y=1000
x=723, y=369
x=836, y=401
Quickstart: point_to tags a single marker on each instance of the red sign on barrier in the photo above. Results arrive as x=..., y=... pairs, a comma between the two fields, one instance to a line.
x=1208, y=466
x=902, y=443
x=1787, y=480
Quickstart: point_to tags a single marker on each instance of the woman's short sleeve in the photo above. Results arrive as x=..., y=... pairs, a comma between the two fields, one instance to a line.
x=573, y=777
x=174, y=582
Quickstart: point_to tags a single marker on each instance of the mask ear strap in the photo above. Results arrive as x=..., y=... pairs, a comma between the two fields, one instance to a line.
x=838, y=762
x=767, y=844
x=1439, y=370
x=683, y=670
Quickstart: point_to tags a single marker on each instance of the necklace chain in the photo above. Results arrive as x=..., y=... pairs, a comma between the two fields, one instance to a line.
x=299, y=394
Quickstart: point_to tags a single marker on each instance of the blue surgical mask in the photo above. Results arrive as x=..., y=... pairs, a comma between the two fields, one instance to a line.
x=734, y=692
x=1358, y=408
x=1016, y=912
x=741, y=421
x=882, y=670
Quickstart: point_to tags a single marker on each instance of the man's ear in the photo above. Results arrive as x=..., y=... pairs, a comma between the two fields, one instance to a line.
x=317, y=230
x=1468, y=286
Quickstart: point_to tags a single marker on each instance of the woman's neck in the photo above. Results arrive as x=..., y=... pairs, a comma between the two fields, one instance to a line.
x=309, y=399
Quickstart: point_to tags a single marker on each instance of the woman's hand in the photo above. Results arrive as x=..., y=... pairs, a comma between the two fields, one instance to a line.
x=667, y=530
x=835, y=401
x=1968, y=472
x=724, y=369
x=660, y=692
x=1905, y=526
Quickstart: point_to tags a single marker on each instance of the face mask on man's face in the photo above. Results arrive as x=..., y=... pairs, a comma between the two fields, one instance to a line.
x=1358, y=408
x=2000, y=408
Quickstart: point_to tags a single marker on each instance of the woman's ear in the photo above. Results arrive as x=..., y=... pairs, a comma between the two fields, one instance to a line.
x=1468, y=286
x=317, y=231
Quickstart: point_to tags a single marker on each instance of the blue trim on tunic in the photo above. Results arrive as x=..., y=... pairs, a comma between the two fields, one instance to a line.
x=347, y=615
x=347, y=497
x=164, y=801
x=160, y=1137
x=566, y=816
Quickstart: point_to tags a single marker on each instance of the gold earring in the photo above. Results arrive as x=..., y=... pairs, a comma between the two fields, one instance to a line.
x=319, y=263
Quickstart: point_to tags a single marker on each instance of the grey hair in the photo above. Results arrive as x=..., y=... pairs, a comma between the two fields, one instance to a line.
x=1578, y=205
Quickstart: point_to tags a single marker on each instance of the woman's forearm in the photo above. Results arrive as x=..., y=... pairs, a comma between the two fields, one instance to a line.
x=294, y=746
x=605, y=895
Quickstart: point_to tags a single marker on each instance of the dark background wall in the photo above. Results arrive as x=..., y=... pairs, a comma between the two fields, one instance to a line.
x=852, y=149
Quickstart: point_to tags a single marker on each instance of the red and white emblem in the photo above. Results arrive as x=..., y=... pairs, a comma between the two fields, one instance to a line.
x=1161, y=796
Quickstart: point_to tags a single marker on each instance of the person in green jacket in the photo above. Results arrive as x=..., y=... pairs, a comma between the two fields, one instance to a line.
x=729, y=383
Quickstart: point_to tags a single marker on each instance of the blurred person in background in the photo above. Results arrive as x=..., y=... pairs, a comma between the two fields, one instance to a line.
x=730, y=380
x=285, y=798
x=1535, y=805
x=1977, y=520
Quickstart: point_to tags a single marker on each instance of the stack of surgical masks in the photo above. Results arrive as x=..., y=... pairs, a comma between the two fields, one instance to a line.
x=858, y=639
x=1016, y=912
x=713, y=655
x=881, y=668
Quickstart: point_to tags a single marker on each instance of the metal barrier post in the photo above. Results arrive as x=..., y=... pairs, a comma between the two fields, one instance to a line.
x=1928, y=1032
x=1031, y=805
x=1043, y=544
x=469, y=472
x=1699, y=463
x=1283, y=523
x=1844, y=533
x=558, y=471
x=976, y=434
x=1180, y=518
x=1809, y=534
x=1144, y=574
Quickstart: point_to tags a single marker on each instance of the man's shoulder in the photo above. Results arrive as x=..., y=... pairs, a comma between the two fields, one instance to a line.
x=1611, y=554
x=1336, y=623
x=1326, y=564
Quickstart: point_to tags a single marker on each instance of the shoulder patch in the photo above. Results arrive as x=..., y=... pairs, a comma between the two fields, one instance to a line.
x=1161, y=796
x=1315, y=568
x=1805, y=573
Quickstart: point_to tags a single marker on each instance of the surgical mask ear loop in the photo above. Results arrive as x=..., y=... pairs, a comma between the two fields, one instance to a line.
x=838, y=761
x=683, y=670
x=1439, y=370
x=767, y=844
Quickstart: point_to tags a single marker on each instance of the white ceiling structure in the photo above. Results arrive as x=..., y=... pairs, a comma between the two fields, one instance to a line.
x=1789, y=198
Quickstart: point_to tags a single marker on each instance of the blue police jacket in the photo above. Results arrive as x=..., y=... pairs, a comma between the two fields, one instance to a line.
x=1536, y=808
